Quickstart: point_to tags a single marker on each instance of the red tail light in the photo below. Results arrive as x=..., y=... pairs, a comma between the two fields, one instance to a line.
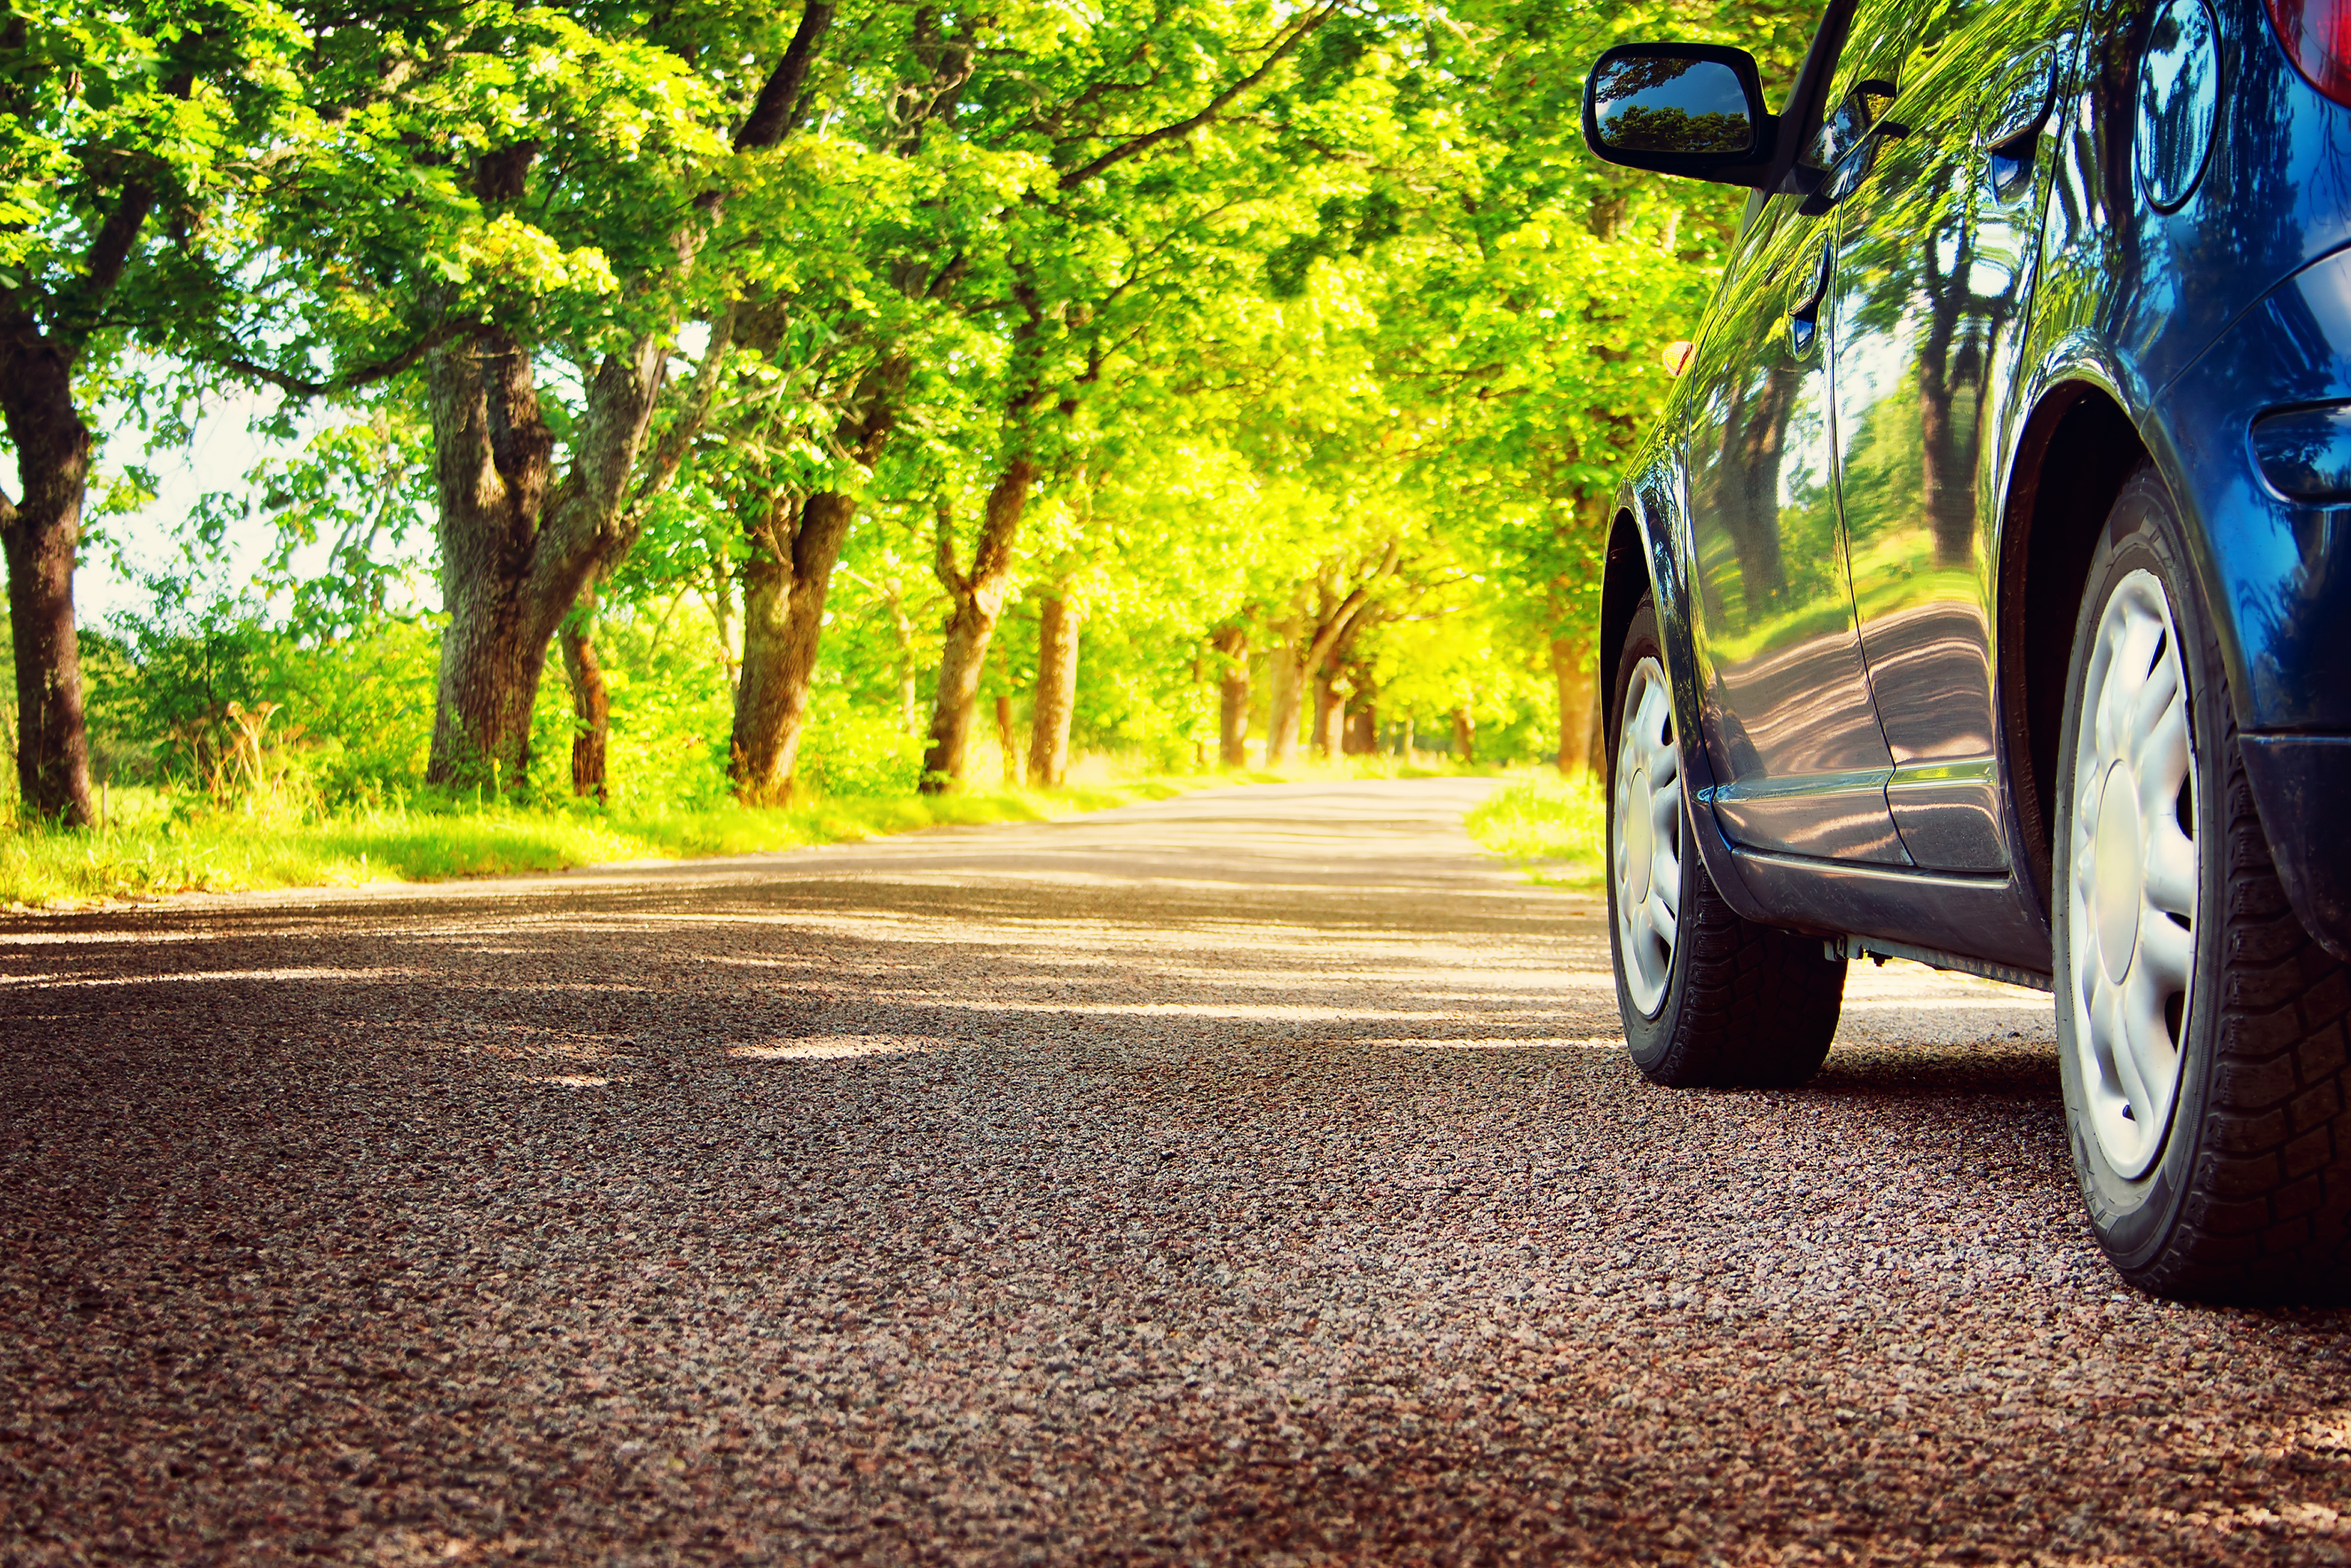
x=2317, y=36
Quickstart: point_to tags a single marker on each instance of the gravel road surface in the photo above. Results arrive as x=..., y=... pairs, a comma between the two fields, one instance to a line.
x=1253, y=1177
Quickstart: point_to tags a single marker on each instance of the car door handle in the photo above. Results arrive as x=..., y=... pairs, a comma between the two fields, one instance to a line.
x=2013, y=119
x=1804, y=311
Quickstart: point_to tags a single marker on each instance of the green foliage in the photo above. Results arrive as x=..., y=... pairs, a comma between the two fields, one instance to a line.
x=1555, y=827
x=206, y=694
x=160, y=102
x=855, y=752
x=152, y=844
x=1290, y=309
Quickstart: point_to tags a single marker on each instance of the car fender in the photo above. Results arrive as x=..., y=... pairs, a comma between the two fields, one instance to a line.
x=1654, y=499
x=2083, y=360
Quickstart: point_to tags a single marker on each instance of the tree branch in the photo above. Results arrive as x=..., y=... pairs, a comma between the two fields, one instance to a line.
x=943, y=556
x=679, y=437
x=111, y=248
x=779, y=103
x=1192, y=122
x=349, y=380
x=110, y=253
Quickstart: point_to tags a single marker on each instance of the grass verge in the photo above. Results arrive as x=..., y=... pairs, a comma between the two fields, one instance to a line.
x=154, y=845
x=1553, y=826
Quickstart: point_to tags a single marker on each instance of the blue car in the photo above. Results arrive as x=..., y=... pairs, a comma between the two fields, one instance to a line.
x=1982, y=597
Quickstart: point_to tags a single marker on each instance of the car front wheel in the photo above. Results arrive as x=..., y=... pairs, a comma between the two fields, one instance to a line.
x=1708, y=998
x=2201, y=1031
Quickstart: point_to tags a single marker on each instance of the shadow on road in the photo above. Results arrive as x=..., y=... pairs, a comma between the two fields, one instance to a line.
x=1207, y=1187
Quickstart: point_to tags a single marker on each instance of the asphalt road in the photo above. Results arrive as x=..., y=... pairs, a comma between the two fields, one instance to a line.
x=1252, y=1177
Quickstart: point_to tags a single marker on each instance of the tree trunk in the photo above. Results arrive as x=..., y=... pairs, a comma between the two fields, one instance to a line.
x=787, y=572
x=1571, y=668
x=791, y=549
x=1233, y=696
x=592, y=703
x=1465, y=735
x=1281, y=710
x=1007, y=750
x=516, y=545
x=1361, y=736
x=975, y=601
x=1330, y=714
x=1315, y=642
x=41, y=531
x=1057, y=693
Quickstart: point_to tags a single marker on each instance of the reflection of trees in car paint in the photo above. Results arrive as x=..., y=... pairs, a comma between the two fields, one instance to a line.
x=1789, y=699
x=1933, y=277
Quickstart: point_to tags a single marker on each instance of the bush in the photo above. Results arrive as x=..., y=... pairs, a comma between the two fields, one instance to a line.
x=1555, y=825
x=848, y=752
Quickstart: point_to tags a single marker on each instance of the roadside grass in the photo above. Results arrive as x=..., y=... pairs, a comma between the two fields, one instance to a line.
x=1553, y=826
x=153, y=843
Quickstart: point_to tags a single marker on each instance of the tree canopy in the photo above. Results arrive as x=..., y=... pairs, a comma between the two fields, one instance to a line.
x=835, y=390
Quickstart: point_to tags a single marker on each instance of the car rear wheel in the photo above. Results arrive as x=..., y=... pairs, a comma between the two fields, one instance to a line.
x=2201, y=1035
x=1708, y=997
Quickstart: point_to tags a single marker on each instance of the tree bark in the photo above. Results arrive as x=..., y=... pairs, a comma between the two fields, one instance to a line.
x=1056, y=698
x=1571, y=668
x=592, y=701
x=975, y=601
x=1007, y=750
x=1313, y=647
x=1330, y=712
x=1465, y=735
x=41, y=531
x=1282, y=704
x=1232, y=696
x=786, y=576
x=1360, y=736
x=516, y=545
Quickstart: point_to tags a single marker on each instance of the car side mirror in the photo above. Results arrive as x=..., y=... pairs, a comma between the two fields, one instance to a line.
x=1695, y=109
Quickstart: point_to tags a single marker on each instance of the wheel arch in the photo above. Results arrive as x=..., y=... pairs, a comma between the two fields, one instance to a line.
x=2076, y=450
x=1625, y=579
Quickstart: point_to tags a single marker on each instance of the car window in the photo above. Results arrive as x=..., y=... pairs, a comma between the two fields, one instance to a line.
x=1864, y=83
x=1891, y=42
x=1876, y=47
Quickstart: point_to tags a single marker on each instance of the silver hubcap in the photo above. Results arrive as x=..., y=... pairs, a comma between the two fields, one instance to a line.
x=1645, y=828
x=2131, y=877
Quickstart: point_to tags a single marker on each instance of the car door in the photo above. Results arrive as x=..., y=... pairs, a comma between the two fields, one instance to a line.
x=1790, y=724
x=1935, y=241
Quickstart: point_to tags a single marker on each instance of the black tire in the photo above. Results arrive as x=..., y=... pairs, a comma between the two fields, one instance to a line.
x=1742, y=1005
x=2248, y=1196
